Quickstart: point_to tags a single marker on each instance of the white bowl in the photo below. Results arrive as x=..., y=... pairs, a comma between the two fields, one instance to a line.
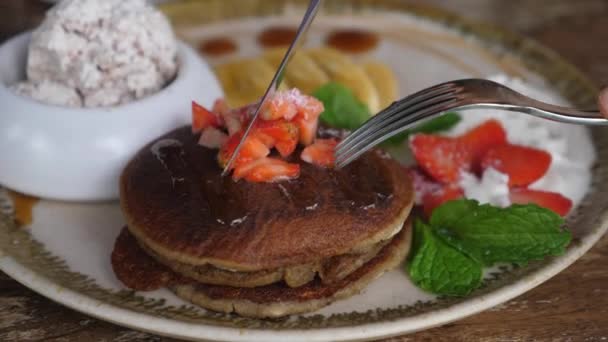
x=77, y=154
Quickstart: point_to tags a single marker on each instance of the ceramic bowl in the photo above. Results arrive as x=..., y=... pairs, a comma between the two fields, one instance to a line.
x=77, y=154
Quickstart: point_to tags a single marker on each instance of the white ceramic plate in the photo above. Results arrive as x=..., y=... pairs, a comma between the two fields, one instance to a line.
x=65, y=253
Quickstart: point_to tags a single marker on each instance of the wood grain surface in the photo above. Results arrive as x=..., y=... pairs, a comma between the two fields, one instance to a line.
x=573, y=306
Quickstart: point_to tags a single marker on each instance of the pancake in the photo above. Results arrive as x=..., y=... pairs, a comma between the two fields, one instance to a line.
x=177, y=205
x=329, y=271
x=138, y=270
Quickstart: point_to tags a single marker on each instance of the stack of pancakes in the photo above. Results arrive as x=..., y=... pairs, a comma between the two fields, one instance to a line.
x=258, y=249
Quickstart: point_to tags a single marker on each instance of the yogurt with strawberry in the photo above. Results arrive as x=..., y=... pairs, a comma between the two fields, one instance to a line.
x=531, y=160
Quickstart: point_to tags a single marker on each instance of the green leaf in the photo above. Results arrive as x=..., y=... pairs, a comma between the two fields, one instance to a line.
x=439, y=268
x=438, y=124
x=342, y=108
x=517, y=234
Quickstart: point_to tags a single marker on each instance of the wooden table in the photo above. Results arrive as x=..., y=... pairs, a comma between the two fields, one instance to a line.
x=572, y=306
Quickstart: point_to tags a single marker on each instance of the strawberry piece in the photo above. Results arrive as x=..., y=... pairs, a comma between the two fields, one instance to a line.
x=212, y=138
x=320, y=153
x=445, y=158
x=280, y=106
x=267, y=170
x=483, y=137
x=307, y=128
x=281, y=134
x=423, y=184
x=550, y=200
x=307, y=106
x=252, y=149
x=524, y=165
x=202, y=118
x=220, y=108
x=442, y=158
x=434, y=199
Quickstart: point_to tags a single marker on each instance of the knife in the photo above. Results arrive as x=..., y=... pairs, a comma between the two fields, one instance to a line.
x=309, y=16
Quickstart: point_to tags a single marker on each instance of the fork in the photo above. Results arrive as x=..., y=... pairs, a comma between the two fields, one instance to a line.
x=460, y=94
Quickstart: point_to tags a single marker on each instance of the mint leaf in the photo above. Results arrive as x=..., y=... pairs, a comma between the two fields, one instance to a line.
x=342, y=109
x=438, y=267
x=439, y=124
x=517, y=234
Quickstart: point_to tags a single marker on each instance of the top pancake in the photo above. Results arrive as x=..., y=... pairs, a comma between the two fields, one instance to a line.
x=177, y=203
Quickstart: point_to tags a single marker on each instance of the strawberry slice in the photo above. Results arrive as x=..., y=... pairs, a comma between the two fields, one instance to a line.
x=434, y=199
x=252, y=149
x=212, y=138
x=281, y=134
x=220, y=108
x=202, y=118
x=307, y=128
x=524, y=165
x=266, y=170
x=442, y=158
x=445, y=158
x=483, y=137
x=320, y=153
x=550, y=200
x=423, y=184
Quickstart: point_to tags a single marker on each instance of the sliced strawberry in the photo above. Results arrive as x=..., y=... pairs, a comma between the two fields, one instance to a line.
x=212, y=138
x=423, y=184
x=320, y=153
x=550, y=200
x=252, y=149
x=483, y=137
x=202, y=118
x=434, y=199
x=267, y=170
x=307, y=128
x=280, y=106
x=280, y=133
x=233, y=123
x=441, y=157
x=524, y=165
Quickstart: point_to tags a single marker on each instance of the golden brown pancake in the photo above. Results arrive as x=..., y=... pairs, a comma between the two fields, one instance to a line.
x=177, y=204
x=266, y=301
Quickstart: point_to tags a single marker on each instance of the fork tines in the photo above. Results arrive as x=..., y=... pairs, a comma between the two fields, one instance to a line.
x=396, y=118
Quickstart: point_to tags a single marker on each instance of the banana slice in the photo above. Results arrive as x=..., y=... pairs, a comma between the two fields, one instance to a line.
x=384, y=80
x=302, y=72
x=342, y=69
x=245, y=81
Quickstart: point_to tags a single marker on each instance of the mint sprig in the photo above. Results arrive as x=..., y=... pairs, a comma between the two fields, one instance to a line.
x=473, y=234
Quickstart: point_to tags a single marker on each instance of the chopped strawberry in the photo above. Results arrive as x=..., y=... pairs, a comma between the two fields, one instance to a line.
x=307, y=106
x=483, y=137
x=550, y=200
x=441, y=157
x=307, y=128
x=220, y=108
x=202, y=118
x=281, y=134
x=280, y=106
x=434, y=199
x=320, y=153
x=423, y=184
x=524, y=165
x=252, y=149
x=212, y=138
x=233, y=123
x=266, y=170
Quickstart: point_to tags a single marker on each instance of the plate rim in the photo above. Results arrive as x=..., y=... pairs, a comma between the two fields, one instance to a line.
x=195, y=331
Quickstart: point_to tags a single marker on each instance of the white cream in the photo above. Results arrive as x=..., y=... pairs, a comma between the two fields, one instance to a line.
x=570, y=146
